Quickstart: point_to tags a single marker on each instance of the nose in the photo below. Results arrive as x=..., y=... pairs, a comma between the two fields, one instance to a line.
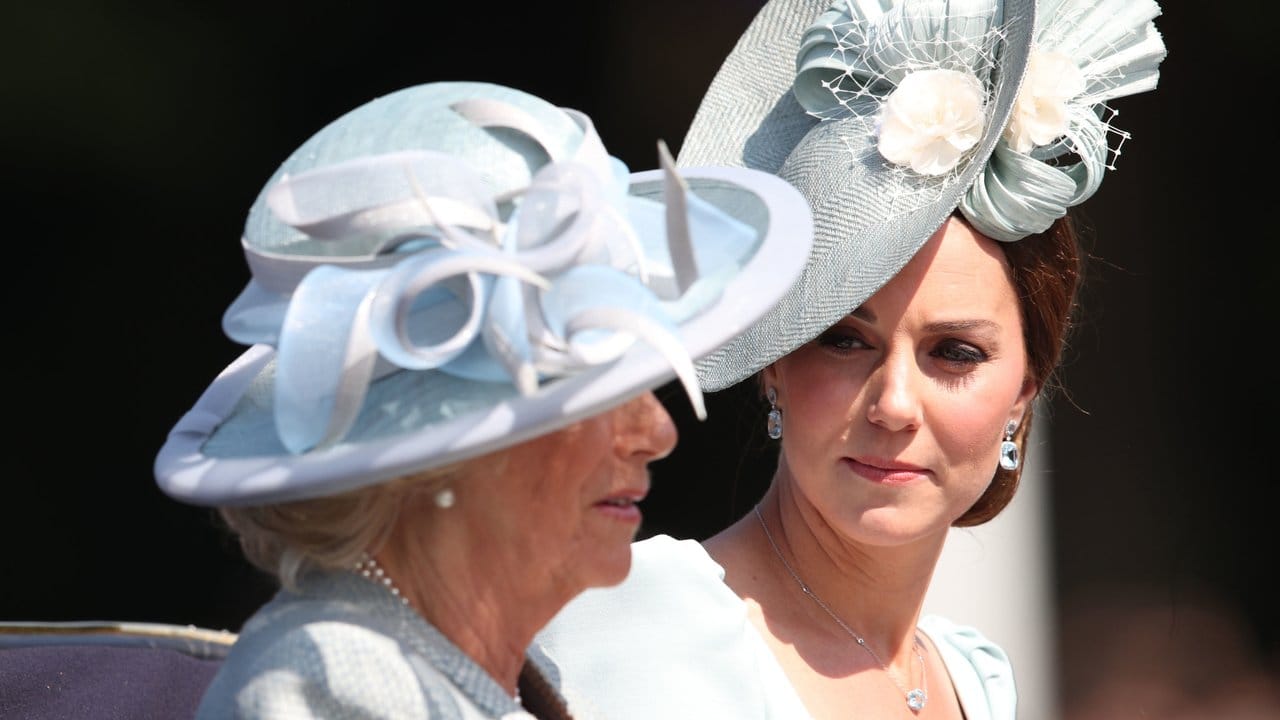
x=645, y=429
x=894, y=393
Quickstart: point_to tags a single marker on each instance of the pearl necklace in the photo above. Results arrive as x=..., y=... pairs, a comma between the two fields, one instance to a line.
x=916, y=697
x=368, y=567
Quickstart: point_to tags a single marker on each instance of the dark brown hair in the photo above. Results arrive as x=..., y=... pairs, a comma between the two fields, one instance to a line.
x=1047, y=269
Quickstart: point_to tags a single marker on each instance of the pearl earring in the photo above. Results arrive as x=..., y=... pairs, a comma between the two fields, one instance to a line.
x=444, y=498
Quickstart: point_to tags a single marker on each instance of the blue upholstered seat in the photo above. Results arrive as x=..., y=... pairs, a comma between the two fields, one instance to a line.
x=106, y=671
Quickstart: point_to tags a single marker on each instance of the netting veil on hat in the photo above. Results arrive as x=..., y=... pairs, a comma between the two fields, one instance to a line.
x=455, y=267
x=889, y=116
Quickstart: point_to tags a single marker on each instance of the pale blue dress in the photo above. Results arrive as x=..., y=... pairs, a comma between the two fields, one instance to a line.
x=673, y=642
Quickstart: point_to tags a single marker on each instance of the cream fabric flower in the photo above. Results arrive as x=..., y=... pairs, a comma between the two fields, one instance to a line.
x=931, y=119
x=1040, y=113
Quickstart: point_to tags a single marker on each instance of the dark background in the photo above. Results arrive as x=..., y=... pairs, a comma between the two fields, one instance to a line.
x=135, y=136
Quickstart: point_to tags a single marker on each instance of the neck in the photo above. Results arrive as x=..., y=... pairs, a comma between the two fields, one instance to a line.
x=489, y=607
x=876, y=591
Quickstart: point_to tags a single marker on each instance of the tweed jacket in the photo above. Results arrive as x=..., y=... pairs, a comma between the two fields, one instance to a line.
x=341, y=646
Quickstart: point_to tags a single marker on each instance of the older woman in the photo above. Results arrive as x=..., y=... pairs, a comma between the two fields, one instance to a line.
x=940, y=145
x=460, y=304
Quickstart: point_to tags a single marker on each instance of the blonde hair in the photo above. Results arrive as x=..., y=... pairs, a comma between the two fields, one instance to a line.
x=290, y=539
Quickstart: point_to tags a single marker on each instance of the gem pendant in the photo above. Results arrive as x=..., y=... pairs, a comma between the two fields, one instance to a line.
x=774, y=425
x=1009, y=455
x=916, y=699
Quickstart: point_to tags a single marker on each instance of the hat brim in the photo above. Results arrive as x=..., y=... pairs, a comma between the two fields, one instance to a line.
x=750, y=118
x=224, y=451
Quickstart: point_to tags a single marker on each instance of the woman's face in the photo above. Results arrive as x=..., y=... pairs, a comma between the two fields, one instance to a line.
x=563, y=504
x=893, y=417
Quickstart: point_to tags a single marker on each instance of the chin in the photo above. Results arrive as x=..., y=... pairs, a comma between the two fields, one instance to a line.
x=890, y=529
x=612, y=570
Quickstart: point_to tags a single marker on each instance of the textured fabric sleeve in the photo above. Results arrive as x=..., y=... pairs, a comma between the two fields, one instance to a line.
x=329, y=670
x=979, y=669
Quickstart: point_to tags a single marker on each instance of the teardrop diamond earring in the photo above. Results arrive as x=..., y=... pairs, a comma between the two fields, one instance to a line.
x=1009, y=458
x=773, y=425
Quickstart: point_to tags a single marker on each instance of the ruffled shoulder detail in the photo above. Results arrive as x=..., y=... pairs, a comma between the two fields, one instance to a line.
x=671, y=641
x=980, y=669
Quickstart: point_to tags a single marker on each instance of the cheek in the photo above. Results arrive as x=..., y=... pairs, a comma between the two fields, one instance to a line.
x=565, y=472
x=815, y=392
x=818, y=415
x=971, y=440
x=588, y=454
x=970, y=426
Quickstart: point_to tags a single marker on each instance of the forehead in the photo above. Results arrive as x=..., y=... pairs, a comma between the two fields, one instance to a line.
x=957, y=271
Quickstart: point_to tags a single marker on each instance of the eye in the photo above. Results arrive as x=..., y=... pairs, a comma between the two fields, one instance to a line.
x=959, y=353
x=841, y=339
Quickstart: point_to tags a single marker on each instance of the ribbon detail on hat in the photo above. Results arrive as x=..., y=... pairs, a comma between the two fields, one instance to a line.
x=548, y=280
x=904, y=74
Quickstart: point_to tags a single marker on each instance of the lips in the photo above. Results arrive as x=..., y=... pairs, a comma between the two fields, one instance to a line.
x=887, y=472
x=622, y=506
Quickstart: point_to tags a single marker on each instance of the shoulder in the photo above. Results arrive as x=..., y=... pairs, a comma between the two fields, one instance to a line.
x=979, y=668
x=300, y=664
x=665, y=573
x=664, y=559
x=671, y=641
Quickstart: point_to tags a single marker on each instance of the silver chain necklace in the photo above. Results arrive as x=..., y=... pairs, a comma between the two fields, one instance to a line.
x=916, y=697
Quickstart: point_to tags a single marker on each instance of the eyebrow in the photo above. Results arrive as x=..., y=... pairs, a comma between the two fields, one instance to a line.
x=955, y=326
x=946, y=326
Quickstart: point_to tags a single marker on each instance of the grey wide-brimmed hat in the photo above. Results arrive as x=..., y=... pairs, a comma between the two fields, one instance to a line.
x=456, y=267
x=889, y=116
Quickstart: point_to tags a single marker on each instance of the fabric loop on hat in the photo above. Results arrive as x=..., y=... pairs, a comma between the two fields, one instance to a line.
x=1015, y=196
x=591, y=151
x=1086, y=136
x=600, y=312
x=858, y=50
x=455, y=283
x=660, y=336
x=485, y=112
x=1022, y=194
x=561, y=218
x=397, y=306
x=325, y=357
x=340, y=321
x=390, y=197
x=383, y=195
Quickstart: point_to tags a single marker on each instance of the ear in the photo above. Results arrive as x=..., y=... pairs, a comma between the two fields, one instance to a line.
x=1026, y=396
x=768, y=379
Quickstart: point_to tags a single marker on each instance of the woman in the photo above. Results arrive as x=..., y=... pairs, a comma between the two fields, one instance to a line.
x=940, y=146
x=460, y=304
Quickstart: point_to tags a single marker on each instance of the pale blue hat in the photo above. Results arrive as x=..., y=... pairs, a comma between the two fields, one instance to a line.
x=456, y=267
x=890, y=115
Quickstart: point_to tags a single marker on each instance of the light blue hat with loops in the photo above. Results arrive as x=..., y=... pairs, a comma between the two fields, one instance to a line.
x=456, y=267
